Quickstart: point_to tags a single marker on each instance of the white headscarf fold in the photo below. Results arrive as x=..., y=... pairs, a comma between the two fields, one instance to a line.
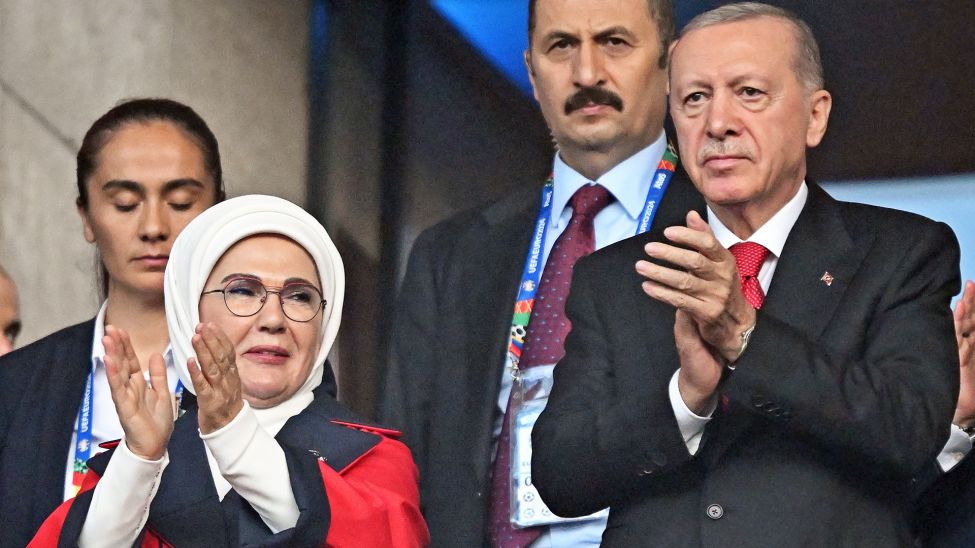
x=201, y=244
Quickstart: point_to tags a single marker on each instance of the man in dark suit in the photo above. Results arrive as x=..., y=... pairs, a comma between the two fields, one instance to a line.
x=778, y=393
x=599, y=73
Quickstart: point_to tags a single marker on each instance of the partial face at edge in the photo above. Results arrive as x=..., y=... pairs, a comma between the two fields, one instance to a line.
x=9, y=315
x=275, y=354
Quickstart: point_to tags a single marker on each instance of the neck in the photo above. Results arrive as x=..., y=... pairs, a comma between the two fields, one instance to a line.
x=143, y=317
x=744, y=218
x=593, y=164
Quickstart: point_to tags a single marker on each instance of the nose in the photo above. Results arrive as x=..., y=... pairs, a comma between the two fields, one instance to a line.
x=722, y=119
x=154, y=223
x=6, y=345
x=587, y=67
x=271, y=318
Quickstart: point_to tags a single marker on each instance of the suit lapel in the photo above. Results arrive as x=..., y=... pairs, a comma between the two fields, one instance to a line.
x=819, y=243
x=499, y=260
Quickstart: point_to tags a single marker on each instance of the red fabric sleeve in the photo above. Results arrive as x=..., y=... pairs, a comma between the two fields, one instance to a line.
x=374, y=501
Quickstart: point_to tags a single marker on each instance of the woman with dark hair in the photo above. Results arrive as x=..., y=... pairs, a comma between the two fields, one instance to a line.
x=145, y=169
x=260, y=457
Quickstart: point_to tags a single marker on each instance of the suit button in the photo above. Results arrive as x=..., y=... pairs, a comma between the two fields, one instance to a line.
x=715, y=511
x=646, y=471
x=659, y=458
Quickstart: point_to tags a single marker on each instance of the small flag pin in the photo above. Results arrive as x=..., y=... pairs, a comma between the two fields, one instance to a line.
x=827, y=278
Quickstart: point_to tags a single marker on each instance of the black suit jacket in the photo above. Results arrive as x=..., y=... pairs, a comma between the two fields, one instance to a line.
x=845, y=390
x=449, y=341
x=41, y=387
x=946, y=511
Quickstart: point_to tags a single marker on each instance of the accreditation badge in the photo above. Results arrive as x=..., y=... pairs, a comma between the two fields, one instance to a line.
x=529, y=395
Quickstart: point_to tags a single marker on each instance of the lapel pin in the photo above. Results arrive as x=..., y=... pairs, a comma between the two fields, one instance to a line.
x=827, y=278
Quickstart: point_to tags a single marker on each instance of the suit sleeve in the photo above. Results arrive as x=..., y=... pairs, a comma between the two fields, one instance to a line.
x=615, y=432
x=406, y=398
x=885, y=403
x=374, y=501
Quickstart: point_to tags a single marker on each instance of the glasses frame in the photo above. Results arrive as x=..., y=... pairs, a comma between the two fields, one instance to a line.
x=267, y=293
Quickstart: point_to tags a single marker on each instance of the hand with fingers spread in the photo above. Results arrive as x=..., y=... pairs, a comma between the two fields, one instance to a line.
x=706, y=288
x=215, y=378
x=145, y=410
x=965, y=333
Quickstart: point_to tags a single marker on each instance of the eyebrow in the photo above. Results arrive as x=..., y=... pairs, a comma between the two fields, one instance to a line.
x=557, y=35
x=293, y=280
x=617, y=30
x=132, y=186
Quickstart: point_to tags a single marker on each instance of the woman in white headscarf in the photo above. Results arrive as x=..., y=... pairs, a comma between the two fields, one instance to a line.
x=254, y=290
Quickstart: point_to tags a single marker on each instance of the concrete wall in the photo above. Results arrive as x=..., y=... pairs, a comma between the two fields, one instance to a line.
x=242, y=64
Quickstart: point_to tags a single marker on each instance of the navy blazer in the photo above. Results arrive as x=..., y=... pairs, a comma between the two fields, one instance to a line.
x=41, y=386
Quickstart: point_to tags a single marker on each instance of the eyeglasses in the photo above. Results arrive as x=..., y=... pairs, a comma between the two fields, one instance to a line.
x=245, y=297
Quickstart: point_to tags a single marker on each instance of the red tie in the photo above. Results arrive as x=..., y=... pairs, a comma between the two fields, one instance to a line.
x=544, y=344
x=750, y=256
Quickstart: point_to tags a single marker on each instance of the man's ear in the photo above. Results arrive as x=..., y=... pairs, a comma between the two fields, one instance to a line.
x=531, y=71
x=85, y=222
x=820, y=103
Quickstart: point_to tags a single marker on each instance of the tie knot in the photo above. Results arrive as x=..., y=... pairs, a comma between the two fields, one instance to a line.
x=749, y=256
x=590, y=200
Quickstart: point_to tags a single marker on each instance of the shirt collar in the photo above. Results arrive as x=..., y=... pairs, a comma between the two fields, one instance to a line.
x=771, y=235
x=98, y=349
x=619, y=180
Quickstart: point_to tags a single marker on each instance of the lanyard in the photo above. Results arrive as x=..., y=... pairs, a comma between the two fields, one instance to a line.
x=533, y=267
x=82, y=448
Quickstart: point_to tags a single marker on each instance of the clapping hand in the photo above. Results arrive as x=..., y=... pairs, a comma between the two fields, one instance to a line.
x=712, y=311
x=215, y=378
x=965, y=333
x=145, y=410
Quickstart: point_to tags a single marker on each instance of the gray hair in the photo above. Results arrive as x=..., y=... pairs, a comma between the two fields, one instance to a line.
x=807, y=64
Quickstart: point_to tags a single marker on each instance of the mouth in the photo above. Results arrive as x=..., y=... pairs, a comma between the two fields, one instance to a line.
x=267, y=354
x=722, y=161
x=153, y=261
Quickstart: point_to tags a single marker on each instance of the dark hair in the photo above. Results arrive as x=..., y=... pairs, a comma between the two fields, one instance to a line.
x=662, y=11
x=144, y=111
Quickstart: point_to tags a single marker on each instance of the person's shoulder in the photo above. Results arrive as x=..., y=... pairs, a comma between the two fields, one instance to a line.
x=478, y=217
x=891, y=224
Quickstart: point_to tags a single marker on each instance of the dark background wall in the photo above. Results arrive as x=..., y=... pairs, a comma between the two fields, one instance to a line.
x=410, y=124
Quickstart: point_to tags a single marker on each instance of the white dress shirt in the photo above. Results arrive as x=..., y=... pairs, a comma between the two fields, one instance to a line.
x=772, y=235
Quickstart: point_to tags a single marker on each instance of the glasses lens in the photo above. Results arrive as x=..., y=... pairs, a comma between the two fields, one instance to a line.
x=244, y=297
x=300, y=301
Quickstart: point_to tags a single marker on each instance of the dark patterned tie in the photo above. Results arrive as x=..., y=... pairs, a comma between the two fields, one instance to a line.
x=544, y=344
x=750, y=256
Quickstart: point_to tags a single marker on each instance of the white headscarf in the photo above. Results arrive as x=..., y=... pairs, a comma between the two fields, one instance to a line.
x=201, y=244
